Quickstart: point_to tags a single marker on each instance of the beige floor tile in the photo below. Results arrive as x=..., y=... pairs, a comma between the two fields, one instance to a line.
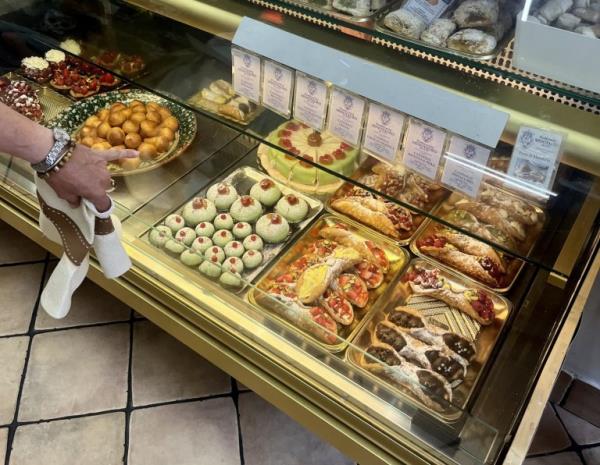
x=3, y=439
x=95, y=440
x=91, y=304
x=12, y=360
x=76, y=371
x=195, y=433
x=271, y=438
x=15, y=247
x=165, y=370
x=550, y=435
x=19, y=289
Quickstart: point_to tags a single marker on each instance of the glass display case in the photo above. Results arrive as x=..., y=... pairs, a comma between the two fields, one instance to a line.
x=407, y=315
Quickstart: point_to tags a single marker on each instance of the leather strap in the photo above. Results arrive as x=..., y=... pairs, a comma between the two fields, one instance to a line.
x=75, y=245
x=103, y=226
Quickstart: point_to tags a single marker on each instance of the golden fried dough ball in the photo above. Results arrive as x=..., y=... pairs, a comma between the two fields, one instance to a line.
x=148, y=128
x=137, y=117
x=92, y=122
x=127, y=112
x=102, y=146
x=116, y=136
x=121, y=147
x=103, y=129
x=147, y=151
x=117, y=106
x=103, y=114
x=132, y=140
x=117, y=118
x=162, y=144
x=135, y=103
x=152, y=106
x=131, y=126
x=171, y=123
x=88, y=131
x=167, y=133
x=153, y=116
x=138, y=109
x=164, y=113
x=130, y=163
x=88, y=141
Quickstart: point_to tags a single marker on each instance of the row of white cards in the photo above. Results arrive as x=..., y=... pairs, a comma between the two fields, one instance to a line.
x=385, y=133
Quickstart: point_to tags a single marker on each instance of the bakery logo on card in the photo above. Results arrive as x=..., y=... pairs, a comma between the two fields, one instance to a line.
x=470, y=151
x=278, y=74
x=526, y=139
x=386, y=117
x=247, y=60
x=312, y=87
x=348, y=102
x=427, y=135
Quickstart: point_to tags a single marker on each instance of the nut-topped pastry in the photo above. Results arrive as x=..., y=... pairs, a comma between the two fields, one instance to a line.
x=246, y=208
x=292, y=208
x=266, y=192
x=198, y=210
x=273, y=228
x=222, y=194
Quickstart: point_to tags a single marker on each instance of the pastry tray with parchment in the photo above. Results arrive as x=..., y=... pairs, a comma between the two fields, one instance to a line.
x=500, y=45
x=332, y=11
x=512, y=264
x=398, y=258
x=444, y=319
x=366, y=170
x=243, y=179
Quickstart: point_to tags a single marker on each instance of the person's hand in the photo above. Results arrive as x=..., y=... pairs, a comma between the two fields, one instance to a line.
x=85, y=176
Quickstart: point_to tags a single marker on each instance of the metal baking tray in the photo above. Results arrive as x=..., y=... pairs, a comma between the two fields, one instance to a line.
x=418, y=219
x=53, y=103
x=515, y=265
x=381, y=27
x=438, y=314
x=335, y=13
x=243, y=179
x=397, y=256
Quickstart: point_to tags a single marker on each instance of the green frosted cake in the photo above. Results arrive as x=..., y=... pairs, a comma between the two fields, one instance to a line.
x=322, y=148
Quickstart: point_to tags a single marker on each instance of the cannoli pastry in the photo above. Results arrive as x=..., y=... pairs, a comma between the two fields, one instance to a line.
x=473, y=302
x=315, y=280
x=358, y=7
x=370, y=273
x=405, y=23
x=438, y=32
x=498, y=217
x=365, y=247
x=552, y=9
x=466, y=244
x=568, y=21
x=409, y=320
x=314, y=319
x=223, y=88
x=517, y=209
x=386, y=217
x=352, y=288
x=472, y=41
x=435, y=358
x=476, y=13
x=239, y=108
x=337, y=306
x=468, y=221
x=590, y=15
x=429, y=387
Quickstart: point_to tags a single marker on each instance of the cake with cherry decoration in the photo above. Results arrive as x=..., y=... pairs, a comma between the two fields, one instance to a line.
x=321, y=148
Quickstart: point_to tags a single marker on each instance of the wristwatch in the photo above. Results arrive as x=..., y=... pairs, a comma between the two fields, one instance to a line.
x=62, y=144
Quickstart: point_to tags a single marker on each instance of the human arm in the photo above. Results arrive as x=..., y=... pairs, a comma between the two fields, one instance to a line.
x=83, y=176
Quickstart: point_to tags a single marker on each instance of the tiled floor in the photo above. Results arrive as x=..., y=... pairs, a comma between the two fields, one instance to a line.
x=105, y=387
x=569, y=432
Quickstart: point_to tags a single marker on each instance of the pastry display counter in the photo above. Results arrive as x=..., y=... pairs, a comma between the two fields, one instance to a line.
x=401, y=321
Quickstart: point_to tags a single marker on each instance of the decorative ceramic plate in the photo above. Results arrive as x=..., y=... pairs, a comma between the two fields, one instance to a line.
x=72, y=119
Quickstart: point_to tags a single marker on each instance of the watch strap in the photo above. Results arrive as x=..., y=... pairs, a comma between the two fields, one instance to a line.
x=62, y=144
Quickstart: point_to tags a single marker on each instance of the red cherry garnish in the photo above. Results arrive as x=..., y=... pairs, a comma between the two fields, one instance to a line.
x=246, y=201
x=285, y=143
x=345, y=146
x=223, y=216
x=239, y=225
x=198, y=203
x=303, y=163
x=339, y=154
x=292, y=126
x=292, y=199
x=326, y=159
x=235, y=245
x=275, y=218
x=223, y=189
x=232, y=260
x=202, y=225
x=223, y=233
x=214, y=259
x=266, y=184
x=215, y=250
x=284, y=133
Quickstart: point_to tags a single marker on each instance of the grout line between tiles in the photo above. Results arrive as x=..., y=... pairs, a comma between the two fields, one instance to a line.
x=12, y=428
x=29, y=262
x=235, y=393
x=66, y=328
x=129, y=392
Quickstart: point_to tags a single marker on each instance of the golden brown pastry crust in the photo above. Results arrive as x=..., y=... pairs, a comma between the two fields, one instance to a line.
x=367, y=211
x=468, y=264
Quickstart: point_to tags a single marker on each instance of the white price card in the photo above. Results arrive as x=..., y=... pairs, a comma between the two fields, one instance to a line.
x=246, y=74
x=383, y=132
x=463, y=171
x=535, y=156
x=346, y=113
x=310, y=101
x=277, y=86
x=423, y=148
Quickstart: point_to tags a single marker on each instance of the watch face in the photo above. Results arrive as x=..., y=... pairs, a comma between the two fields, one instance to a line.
x=60, y=135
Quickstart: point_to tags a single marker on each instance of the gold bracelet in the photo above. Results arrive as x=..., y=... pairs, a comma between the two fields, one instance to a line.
x=66, y=157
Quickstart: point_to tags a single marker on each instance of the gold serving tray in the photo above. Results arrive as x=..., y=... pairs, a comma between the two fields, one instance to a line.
x=418, y=219
x=53, y=103
x=438, y=314
x=397, y=256
x=514, y=264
